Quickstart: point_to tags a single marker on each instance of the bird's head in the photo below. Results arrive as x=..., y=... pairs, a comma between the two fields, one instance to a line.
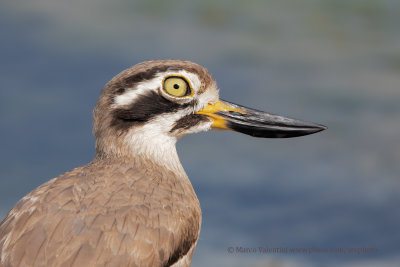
x=147, y=107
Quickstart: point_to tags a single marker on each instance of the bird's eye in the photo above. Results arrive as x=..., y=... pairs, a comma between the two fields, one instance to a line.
x=176, y=86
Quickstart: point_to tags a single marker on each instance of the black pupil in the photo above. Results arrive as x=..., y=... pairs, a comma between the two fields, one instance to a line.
x=176, y=86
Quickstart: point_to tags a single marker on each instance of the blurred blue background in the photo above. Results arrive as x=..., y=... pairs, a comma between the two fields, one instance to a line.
x=334, y=62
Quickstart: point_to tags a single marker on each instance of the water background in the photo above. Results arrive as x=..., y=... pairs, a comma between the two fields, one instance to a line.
x=334, y=62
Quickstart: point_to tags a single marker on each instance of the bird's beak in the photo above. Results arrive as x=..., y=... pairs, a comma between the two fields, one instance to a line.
x=256, y=123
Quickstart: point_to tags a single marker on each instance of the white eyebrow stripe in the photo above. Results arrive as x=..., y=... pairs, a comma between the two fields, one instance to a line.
x=133, y=93
x=141, y=88
x=126, y=98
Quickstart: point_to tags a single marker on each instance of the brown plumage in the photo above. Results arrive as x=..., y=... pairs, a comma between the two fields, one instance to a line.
x=106, y=213
x=119, y=210
x=133, y=205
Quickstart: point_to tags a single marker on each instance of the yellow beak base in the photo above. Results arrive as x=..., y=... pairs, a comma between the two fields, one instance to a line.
x=218, y=121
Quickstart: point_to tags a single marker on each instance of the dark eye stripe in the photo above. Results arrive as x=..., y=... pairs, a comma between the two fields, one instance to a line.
x=120, y=91
x=189, y=121
x=145, y=75
x=145, y=108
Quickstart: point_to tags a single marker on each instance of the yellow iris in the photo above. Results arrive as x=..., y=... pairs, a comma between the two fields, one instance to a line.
x=176, y=86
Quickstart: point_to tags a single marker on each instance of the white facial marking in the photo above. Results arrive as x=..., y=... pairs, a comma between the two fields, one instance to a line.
x=210, y=96
x=154, y=84
x=132, y=93
x=153, y=139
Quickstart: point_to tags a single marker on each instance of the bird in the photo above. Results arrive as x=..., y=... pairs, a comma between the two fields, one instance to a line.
x=133, y=204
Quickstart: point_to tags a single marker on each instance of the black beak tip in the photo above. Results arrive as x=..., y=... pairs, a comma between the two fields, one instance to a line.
x=312, y=129
x=320, y=128
x=300, y=129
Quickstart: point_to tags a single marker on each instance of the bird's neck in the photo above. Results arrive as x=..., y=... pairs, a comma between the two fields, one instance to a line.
x=160, y=149
x=142, y=148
